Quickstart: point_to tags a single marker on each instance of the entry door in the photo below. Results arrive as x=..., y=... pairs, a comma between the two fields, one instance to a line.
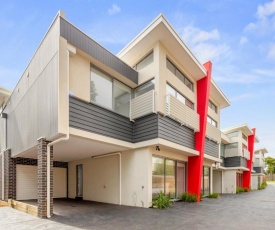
x=79, y=180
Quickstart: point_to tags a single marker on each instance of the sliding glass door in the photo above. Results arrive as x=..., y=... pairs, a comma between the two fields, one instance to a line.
x=205, y=181
x=168, y=176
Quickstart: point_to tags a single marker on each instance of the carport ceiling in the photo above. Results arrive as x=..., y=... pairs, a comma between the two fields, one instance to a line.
x=76, y=149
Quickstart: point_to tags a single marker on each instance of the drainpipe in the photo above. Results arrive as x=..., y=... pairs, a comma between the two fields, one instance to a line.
x=66, y=138
x=3, y=115
x=112, y=154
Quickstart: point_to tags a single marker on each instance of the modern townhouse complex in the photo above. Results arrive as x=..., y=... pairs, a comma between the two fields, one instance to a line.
x=83, y=123
x=236, y=153
x=258, y=176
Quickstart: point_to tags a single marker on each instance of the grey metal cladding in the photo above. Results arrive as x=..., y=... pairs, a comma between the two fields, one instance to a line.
x=235, y=162
x=89, y=46
x=92, y=118
x=211, y=148
x=258, y=169
x=175, y=132
x=145, y=128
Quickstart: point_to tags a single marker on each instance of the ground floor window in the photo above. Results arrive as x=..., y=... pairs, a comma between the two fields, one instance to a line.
x=239, y=180
x=205, y=180
x=168, y=176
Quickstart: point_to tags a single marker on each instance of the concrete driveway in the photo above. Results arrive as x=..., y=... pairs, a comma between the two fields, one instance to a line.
x=254, y=210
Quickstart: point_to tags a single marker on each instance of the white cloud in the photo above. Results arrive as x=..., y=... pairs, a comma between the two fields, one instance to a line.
x=205, y=44
x=114, y=9
x=265, y=19
x=271, y=52
x=266, y=10
x=243, y=40
x=265, y=72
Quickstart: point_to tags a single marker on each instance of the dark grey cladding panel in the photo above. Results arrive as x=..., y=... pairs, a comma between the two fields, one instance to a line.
x=175, y=132
x=211, y=148
x=235, y=162
x=258, y=170
x=95, y=119
x=89, y=46
x=145, y=128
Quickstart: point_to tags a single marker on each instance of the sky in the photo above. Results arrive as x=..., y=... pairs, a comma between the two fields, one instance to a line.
x=237, y=36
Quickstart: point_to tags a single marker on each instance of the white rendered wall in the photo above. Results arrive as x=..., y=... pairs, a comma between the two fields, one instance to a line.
x=254, y=182
x=217, y=181
x=229, y=182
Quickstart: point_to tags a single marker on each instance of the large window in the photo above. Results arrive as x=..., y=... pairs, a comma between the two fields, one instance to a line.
x=212, y=121
x=110, y=93
x=212, y=106
x=168, y=176
x=244, y=137
x=181, y=98
x=179, y=74
x=233, y=134
x=144, y=88
x=145, y=61
x=205, y=182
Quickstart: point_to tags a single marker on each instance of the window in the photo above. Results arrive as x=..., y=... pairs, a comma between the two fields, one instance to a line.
x=244, y=146
x=231, y=146
x=233, y=134
x=244, y=137
x=211, y=121
x=110, y=93
x=144, y=62
x=168, y=176
x=146, y=87
x=212, y=106
x=205, y=182
x=179, y=74
x=222, y=150
x=181, y=98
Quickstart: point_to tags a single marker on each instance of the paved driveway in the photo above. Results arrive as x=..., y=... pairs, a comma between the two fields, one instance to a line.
x=254, y=210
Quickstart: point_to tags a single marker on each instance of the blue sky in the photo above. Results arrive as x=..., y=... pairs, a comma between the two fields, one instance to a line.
x=237, y=36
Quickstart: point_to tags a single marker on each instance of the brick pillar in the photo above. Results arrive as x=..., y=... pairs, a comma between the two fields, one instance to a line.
x=9, y=176
x=42, y=178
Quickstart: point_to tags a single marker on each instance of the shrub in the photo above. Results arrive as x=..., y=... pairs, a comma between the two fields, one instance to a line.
x=262, y=186
x=246, y=189
x=213, y=195
x=188, y=197
x=161, y=201
x=239, y=190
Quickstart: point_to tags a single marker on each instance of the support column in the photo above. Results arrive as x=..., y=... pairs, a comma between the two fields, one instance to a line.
x=195, y=163
x=42, y=178
x=247, y=174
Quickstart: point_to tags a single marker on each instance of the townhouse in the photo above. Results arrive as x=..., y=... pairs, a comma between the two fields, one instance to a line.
x=258, y=176
x=236, y=154
x=83, y=123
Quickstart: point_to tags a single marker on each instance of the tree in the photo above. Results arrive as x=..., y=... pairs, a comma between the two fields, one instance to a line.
x=270, y=162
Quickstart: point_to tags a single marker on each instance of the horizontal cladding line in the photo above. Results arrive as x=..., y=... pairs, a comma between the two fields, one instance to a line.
x=183, y=144
x=101, y=120
x=101, y=131
x=178, y=132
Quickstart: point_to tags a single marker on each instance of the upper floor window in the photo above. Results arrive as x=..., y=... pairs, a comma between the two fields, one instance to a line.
x=231, y=146
x=181, y=98
x=244, y=137
x=212, y=121
x=179, y=74
x=145, y=61
x=144, y=88
x=110, y=93
x=212, y=106
x=244, y=146
x=233, y=134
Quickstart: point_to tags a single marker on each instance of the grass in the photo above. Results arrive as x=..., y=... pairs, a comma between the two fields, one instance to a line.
x=271, y=182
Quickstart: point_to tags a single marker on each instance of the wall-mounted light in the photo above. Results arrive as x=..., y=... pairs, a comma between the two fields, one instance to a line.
x=157, y=148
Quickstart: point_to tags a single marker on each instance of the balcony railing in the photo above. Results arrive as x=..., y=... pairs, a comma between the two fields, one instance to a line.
x=259, y=164
x=232, y=152
x=213, y=133
x=246, y=154
x=182, y=113
x=142, y=105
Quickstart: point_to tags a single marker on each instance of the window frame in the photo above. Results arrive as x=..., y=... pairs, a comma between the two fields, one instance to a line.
x=212, y=121
x=185, y=79
x=212, y=106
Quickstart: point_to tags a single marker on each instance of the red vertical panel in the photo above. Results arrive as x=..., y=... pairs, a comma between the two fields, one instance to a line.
x=247, y=174
x=195, y=163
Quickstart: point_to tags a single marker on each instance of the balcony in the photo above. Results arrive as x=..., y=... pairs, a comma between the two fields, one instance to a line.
x=259, y=164
x=246, y=154
x=142, y=105
x=182, y=113
x=213, y=133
